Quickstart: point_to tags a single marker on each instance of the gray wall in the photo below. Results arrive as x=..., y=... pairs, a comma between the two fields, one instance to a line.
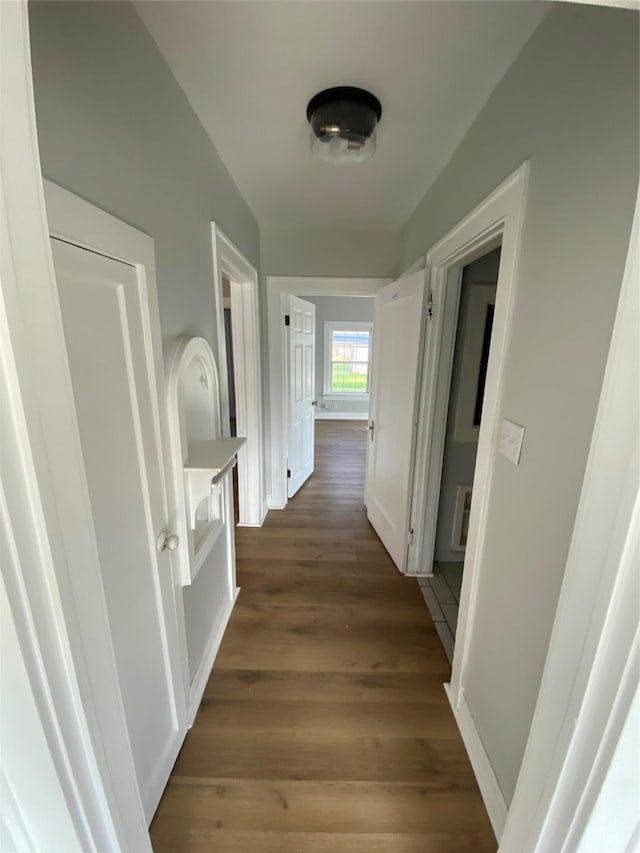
x=338, y=308
x=339, y=252
x=460, y=456
x=115, y=128
x=570, y=103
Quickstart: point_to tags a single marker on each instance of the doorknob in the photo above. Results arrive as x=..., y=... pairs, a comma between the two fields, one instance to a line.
x=167, y=541
x=314, y=402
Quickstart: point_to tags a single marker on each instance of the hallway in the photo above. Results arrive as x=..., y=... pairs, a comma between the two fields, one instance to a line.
x=324, y=727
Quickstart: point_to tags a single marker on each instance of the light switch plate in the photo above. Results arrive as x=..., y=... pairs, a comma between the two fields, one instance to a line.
x=511, y=436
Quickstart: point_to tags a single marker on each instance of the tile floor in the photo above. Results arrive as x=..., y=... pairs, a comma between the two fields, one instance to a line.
x=442, y=595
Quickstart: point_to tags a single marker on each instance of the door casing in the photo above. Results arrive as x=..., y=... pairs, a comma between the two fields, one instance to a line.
x=75, y=221
x=229, y=261
x=279, y=288
x=498, y=220
x=45, y=498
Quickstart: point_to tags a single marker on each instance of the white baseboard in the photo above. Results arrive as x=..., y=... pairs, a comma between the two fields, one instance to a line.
x=486, y=778
x=272, y=505
x=341, y=416
x=206, y=664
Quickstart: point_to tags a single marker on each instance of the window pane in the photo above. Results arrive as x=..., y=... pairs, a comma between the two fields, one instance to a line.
x=350, y=360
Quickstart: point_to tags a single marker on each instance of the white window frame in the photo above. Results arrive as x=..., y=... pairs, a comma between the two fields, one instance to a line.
x=331, y=326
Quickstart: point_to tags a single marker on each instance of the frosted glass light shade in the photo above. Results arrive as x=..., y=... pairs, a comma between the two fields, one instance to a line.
x=341, y=150
x=343, y=124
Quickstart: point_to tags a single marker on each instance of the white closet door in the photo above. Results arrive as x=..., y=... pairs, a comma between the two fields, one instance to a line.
x=398, y=329
x=302, y=355
x=105, y=325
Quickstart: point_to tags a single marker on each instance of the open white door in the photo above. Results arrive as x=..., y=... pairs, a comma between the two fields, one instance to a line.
x=302, y=360
x=398, y=330
x=103, y=304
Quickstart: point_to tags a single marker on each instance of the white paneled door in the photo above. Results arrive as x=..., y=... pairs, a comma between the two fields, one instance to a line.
x=106, y=332
x=301, y=390
x=398, y=329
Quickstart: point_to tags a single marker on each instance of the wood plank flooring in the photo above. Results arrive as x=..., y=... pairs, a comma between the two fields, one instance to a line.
x=324, y=727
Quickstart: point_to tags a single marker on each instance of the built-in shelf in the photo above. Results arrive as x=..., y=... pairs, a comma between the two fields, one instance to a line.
x=206, y=464
x=201, y=502
x=215, y=455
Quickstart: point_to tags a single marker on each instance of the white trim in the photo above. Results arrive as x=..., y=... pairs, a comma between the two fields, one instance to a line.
x=331, y=326
x=192, y=551
x=203, y=671
x=342, y=416
x=75, y=685
x=584, y=689
x=279, y=288
x=96, y=230
x=462, y=490
x=615, y=4
x=498, y=219
x=82, y=224
x=245, y=326
x=614, y=820
x=271, y=504
x=201, y=677
x=416, y=266
x=487, y=781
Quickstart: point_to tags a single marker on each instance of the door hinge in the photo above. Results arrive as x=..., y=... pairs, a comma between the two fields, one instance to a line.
x=430, y=304
x=410, y=536
x=288, y=473
x=287, y=320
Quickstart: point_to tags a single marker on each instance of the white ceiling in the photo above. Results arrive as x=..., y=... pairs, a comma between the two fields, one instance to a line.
x=249, y=68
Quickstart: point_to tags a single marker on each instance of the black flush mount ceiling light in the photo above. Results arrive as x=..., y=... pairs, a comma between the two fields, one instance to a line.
x=343, y=124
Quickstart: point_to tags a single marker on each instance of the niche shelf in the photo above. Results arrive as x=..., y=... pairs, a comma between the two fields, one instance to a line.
x=206, y=464
x=201, y=457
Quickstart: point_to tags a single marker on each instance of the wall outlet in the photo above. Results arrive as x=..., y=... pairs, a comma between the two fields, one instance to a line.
x=511, y=436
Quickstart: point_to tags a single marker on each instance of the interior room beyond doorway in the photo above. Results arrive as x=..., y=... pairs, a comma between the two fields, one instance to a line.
x=468, y=375
x=344, y=342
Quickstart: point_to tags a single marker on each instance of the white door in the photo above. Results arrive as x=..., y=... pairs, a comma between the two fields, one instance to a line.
x=398, y=328
x=302, y=361
x=105, y=322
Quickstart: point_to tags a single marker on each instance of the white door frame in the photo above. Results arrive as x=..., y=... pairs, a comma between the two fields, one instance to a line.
x=46, y=511
x=83, y=224
x=279, y=288
x=229, y=261
x=591, y=670
x=498, y=219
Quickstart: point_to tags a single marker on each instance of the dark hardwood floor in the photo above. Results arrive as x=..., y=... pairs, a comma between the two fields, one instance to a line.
x=324, y=727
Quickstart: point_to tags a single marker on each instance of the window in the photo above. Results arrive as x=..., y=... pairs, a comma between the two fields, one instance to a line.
x=347, y=359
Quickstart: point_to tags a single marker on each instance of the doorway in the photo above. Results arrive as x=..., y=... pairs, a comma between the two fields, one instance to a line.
x=327, y=373
x=279, y=289
x=344, y=346
x=228, y=339
x=468, y=377
x=235, y=289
